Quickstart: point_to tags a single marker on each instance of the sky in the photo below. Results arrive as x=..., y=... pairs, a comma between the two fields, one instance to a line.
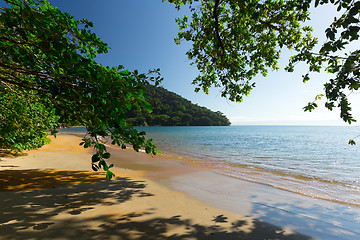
x=140, y=35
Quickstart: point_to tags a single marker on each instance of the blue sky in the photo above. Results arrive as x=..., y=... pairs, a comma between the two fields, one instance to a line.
x=140, y=34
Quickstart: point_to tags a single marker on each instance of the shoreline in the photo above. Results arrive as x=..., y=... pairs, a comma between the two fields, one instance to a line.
x=311, y=161
x=316, y=217
x=264, y=177
x=151, y=198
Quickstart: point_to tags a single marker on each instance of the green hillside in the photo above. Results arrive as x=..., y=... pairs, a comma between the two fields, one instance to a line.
x=170, y=109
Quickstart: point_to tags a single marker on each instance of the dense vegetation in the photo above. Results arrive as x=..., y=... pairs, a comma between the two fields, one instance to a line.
x=24, y=120
x=170, y=109
x=49, y=76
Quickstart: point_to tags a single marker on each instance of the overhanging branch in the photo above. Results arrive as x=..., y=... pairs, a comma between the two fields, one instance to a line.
x=217, y=2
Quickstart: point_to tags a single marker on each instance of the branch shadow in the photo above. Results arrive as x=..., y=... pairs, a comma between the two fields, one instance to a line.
x=317, y=220
x=11, y=154
x=36, y=215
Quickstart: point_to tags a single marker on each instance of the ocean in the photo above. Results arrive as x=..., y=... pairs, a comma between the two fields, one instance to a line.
x=314, y=161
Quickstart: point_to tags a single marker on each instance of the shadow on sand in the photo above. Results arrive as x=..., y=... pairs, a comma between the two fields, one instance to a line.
x=10, y=154
x=51, y=213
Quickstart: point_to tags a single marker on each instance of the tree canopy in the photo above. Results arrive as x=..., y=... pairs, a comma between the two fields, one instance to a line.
x=235, y=40
x=48, y=75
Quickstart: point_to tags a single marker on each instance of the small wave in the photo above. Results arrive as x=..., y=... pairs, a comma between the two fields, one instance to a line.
x=309, y=173
x=311, y=186
x=330, y=190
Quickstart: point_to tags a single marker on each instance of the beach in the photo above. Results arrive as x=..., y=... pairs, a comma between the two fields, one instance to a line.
x=52, y=193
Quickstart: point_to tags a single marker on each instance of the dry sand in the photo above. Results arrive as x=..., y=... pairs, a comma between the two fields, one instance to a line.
x=52, y=193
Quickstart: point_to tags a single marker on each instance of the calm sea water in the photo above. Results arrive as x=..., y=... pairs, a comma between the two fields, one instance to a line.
x=309, y=160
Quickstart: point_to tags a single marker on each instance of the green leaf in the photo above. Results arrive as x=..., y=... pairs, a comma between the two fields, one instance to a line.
x=318, y=97
x=109, y=174
x=95, y=158
x=306, y=78
x=106, y=155
x=94, y=167
x=330, y=34
x=104, y=165
x=316, y=3
x=148, y=107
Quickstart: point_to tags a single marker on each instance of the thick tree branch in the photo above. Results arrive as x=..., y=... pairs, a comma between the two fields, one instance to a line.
x=24, y=85
x=217, y=2
x=38, y=74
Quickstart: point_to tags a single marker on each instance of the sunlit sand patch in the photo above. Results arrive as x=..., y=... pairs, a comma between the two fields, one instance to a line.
x=33, y=179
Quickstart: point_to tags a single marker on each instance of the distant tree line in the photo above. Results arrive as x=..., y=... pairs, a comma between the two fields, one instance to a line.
x=170, y=109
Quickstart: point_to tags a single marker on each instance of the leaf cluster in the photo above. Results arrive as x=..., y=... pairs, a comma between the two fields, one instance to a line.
x=335, y=59
x=233, y=41
x=24, y=120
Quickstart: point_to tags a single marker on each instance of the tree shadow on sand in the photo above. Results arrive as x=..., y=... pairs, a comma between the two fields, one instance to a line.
x=51, y=214
x=10, y=154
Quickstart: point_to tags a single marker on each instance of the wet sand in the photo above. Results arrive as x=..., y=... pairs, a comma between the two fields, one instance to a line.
x=151, y=198
x=313, y=217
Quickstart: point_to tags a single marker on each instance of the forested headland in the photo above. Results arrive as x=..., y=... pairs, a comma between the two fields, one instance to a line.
x=170, y=109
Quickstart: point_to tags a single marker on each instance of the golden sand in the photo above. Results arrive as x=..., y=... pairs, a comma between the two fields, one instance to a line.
x=51, y=193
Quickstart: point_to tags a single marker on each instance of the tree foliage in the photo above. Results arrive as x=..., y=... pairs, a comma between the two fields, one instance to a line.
x=170, y=109
x=24, y=120
x=235, y=40
x=47, y=61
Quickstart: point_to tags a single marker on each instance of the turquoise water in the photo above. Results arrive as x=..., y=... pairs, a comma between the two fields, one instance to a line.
x=309, y=160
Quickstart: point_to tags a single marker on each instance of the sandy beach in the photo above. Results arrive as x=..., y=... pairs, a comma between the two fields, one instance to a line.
x=52, y=193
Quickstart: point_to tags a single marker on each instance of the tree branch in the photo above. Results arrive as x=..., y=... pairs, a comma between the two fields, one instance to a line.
x=270, y=26
x=24, y=85
x=217, y=2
